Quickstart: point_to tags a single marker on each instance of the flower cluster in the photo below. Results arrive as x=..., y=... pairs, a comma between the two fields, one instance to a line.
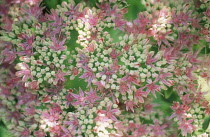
x=84, y=69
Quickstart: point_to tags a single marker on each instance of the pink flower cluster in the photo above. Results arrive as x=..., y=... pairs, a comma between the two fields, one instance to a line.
x=83, y=69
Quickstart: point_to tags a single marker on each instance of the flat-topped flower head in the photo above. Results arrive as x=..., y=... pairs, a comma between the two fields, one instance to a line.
x=156, y=52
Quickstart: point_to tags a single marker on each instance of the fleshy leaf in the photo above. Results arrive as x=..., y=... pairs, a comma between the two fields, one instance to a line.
x=168, y=93
x=206, y=123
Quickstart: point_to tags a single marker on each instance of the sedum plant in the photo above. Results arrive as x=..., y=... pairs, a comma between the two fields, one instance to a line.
x=85, y=69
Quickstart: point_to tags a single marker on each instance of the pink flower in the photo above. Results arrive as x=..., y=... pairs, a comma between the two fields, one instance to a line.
x=14, y=116
x=7, y=23
x=164, y=12
x=195, y=23
x=60, y=76
x=74, y=123
x=9, y=54
x=119, y=23
x=139, y=94
x=119, y=127
x=142, y=21
x=74, y=11
x=110, y=113
x=29, y=39
x=106, y=8
x=40, y=133
x=75, y=71
x=115, y=66
x=186, y=99
x=131, y=126
x=57, y=21
x=101, y=118
x=56, y=108
x=158, y=129
x=83, y=59
x=25, y=132
x=26, y=98
x=207, y=13
x=88, y=75
x=108, y=73
x=66, y=132
x=186, y=127
x=100, y=85
x=170, y=54
x=51, y=116
x=149, y=108
x=57, y=45
x=90, y=47
x=162, y=77
x=29, y=111
x=150, y=59
x=5, y=91
x=92, y=19
x=162, y=38
x=189, y=72
x=141, y=130
x=114, y=54
x=193, y=57
x=181, y=18
x=123, y=88
x=151, y=87
x=33, y=10
x=81, y=99
x=24, y=72
x=12, y=81
x=131, y=79
x=92, y=96
x=183, y=38
x=33, y=85
x=179, y=111
x=130, y=105
x=56, y=129
x=69, y=99
x=27, y=46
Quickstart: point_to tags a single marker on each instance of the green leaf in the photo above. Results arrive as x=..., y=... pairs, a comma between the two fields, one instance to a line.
x=135, y=6
x=4, y=132
x=51, y=3
x=206, y=123
x=168, y=93
x=75, y=84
